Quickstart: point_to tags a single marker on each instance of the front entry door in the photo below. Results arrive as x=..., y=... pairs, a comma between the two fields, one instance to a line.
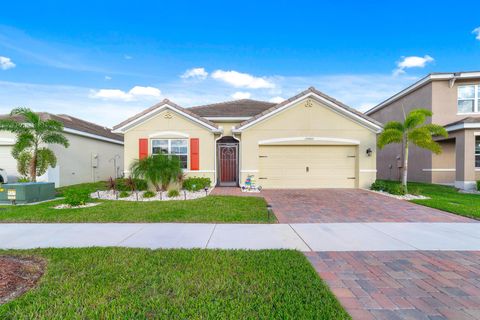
x=228, y=164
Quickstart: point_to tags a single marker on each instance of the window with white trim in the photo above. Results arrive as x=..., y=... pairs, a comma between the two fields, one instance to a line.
x=477, y=151
x=177, y=147
x=468, y=98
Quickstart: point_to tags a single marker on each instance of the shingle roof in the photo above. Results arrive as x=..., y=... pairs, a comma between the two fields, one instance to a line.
x=158, y=105
x=465, y=120
x=73, y=123
x=311, y=89
x=237, y=108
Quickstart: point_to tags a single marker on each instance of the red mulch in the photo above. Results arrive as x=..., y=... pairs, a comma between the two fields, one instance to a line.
x=18, y=275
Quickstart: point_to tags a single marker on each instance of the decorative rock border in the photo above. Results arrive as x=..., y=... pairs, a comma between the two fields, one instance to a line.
x=67, y=206
x=160, y=196
x=404, y=197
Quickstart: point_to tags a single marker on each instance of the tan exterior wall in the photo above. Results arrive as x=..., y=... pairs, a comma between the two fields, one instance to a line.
x=75, y=164
x=443, y=165
x=445, y=102
x=387, y=164
x=169, y=124
x=227, y=127
x=301, y=121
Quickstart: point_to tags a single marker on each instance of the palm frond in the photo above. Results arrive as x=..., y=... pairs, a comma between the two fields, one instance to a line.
x=436, y=130
x=30, y=116
x=389, y=136
x=416, y=117
x=422, y=138
x=24, y=141
x=394, y=125
x=12, y=126
x=56, y=138
x=45, y=158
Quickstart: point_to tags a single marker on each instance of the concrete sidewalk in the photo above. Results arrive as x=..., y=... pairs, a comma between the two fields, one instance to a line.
x=303, y=237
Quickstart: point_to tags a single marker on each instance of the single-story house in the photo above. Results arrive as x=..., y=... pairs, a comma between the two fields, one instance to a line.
x=95, y=152
x=454, y=99
x=308, y=141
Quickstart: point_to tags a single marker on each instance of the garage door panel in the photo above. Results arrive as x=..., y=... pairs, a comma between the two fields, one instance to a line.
x=328, y=166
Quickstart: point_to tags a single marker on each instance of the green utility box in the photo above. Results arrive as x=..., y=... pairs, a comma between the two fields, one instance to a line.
x=21, y=193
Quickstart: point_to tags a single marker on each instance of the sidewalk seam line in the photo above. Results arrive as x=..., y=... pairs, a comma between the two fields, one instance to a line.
x=388, y=235
x=298, y=235
x=131, y=235
x=211, y=235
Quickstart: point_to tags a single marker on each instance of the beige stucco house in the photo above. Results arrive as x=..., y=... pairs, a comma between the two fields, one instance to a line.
x=454, y=99
x=94, y=154
x=308, y=141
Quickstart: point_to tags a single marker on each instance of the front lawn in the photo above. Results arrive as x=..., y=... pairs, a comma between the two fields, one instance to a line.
x=119, y=283
x=444, y=198
x=448, y=199
x=208, y=209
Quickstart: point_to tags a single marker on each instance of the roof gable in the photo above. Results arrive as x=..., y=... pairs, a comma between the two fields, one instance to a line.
x=335, y=105
x=165, y=104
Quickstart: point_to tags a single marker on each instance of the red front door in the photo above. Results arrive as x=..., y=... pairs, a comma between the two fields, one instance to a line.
x=228, y=154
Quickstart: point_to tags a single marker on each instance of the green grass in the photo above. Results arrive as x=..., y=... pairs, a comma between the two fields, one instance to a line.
x=445, y=198
x=119, y=283
x=91, y=186
x=208, y=209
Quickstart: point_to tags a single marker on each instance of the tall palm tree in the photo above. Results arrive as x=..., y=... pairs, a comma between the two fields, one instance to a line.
x=412, y=130
x=32, y=133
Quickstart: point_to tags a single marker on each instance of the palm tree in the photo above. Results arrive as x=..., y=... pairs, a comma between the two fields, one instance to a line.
x=33, y=159
x=412, y=130
x=160, y=170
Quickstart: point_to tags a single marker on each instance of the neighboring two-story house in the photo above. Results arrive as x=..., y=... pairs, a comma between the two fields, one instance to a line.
x=454, y=99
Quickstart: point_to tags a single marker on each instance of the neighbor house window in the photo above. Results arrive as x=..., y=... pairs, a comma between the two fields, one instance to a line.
x=477, y=151
x=468, y=99
x=177, y=147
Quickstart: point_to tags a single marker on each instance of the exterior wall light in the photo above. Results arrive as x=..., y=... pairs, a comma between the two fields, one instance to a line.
x=369, y=152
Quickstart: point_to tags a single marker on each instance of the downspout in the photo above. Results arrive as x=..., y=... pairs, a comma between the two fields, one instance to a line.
x=215, y=157
x=239, y=156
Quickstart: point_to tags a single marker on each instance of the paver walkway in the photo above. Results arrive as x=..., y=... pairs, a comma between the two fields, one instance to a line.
x=403, y=284
x=304, y=237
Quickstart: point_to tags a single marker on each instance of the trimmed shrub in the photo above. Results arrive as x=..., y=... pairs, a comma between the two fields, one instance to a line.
x=124, y=194
x=173, y=193
x=76, y=197
x=392, y=187
x=149, y=194
x=131, y=184
x=196, y=183
x=396, y=189
x=23, y=180
x=478, y=185
x=379, y=185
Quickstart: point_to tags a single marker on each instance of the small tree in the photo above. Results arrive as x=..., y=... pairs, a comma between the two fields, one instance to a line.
x=33, y=159
x=412, y=130
x=159, y=170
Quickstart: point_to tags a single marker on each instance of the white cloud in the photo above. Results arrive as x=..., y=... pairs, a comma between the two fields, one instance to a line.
x=476, y=32
x=241, y=95
x=6, y=63
x=197, y=73
x=134, y=93
x=145, y=91
x=412, y=62
x=242, y=80
x=276, y=99
x=108, y=78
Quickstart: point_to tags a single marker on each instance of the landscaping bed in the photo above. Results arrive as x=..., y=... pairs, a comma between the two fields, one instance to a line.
x=157, y=196
x=120, y=283
x=17, y=275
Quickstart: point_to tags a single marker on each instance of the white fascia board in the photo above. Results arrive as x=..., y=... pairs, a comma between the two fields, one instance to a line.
x=421, y=82
x=90, y=135
x=462, y=126
x=141, y=119
x=368, y=124
x=318, y=139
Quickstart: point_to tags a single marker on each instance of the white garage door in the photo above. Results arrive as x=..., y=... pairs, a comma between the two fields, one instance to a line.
x=7, y=162
x=307, y=166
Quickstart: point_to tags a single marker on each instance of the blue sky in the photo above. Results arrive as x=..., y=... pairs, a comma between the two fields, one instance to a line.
x=106, y=60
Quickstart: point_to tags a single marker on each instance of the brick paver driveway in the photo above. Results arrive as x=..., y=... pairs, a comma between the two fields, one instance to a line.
x=403, y=284
x=349, y=205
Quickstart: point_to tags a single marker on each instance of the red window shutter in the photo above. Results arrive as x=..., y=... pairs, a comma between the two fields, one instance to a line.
x=142, y=148
x=194, y=154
